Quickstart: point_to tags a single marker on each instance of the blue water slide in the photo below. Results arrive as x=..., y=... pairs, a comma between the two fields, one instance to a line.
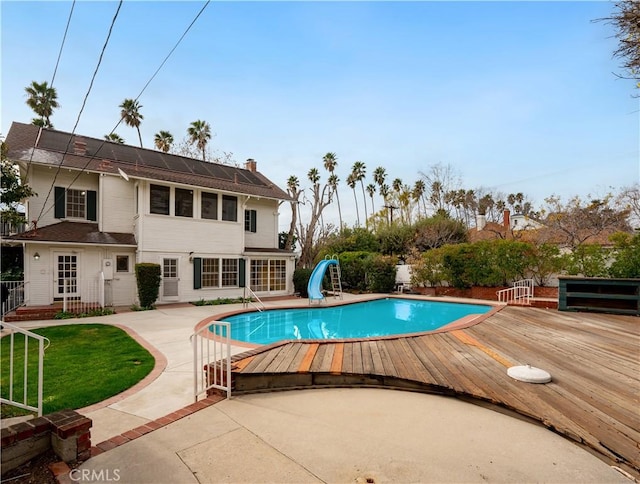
x=314, y=288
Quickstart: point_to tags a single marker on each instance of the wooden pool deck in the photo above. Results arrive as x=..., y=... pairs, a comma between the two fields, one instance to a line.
x=594, y=361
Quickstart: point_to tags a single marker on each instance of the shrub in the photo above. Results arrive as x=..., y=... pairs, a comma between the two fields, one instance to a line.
x=148, y=280
x=353, y=270
x=627, y=256
x=381, y=273
x=301, y=281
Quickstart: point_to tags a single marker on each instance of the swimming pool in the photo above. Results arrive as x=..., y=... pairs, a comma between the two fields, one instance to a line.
x=381, y=317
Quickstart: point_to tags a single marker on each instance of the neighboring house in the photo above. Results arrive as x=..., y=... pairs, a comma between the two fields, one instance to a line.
x=102, y=207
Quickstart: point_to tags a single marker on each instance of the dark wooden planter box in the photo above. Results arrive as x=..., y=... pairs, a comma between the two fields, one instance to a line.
x=619, y=296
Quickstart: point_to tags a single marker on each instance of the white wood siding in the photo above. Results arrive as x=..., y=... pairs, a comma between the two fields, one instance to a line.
x=266, y=235
x=116, y=207
x=183, y=235
x=41, y=180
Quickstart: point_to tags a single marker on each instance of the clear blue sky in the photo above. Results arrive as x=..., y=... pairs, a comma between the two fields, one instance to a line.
x=514, y=96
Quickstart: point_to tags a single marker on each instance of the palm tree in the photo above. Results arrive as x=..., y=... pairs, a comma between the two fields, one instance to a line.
x=397, y=185
x=130, y=114
x=371, y=190
x=330, y=162
x=419, y=188
x=114, y=138
x=333, y=181
x=293, y=188
x=163, y=140
x=351, y=181
x=43, y=100
x=359, y=170
x=379, y=176
x=200, y=133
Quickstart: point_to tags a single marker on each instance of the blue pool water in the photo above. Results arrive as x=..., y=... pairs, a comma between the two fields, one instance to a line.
x=382, y=317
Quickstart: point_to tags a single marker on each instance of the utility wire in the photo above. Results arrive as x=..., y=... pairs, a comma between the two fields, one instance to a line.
x=93, y=157
x=64, y=38
x=84, y=102
x=55, y=70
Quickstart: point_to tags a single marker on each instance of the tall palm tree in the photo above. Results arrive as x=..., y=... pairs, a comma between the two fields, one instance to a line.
x=379, y=177
x=200, y=133
x=131, y=115
x=163, y=140
x=330, y=162
x=42, y=99
x=314, y=177
x=397, y=185
x=359, y=170
x=419, y=188
x=333, y=181
x=114, y=138
x=351, y=181
x=371, y=190
x=293, y=186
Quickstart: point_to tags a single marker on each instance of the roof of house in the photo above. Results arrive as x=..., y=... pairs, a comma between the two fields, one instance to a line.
x=58, y=148
x=76, y=232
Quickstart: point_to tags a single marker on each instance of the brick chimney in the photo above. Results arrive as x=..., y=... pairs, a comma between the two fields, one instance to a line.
x=251, y=165
x=79, y=146
x=506, y=217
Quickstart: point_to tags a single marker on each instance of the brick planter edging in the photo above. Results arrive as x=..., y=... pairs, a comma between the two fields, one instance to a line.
x=66, y=432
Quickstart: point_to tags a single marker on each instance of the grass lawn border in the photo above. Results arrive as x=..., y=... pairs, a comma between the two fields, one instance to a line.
x=158, y=368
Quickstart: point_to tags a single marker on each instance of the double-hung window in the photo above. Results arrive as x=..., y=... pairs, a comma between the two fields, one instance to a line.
x=250, y=221
x=229, y=208
x=76, y=204
x=159, y=201
x=214, y=272
x=183, y=203
x=209, y=206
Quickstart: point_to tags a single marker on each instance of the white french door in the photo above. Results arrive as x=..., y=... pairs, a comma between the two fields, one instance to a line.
x=66, y=275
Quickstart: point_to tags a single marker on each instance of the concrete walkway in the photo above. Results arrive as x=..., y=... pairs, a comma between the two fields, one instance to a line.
x=330, y=435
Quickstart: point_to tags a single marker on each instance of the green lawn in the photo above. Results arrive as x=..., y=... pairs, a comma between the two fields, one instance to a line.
x=84, y=364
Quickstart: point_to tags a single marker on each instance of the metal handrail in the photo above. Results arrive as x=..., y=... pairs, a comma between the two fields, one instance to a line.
x=12, y=330
x=521, y=292
x=14, y=296
x=212, y=358
x=246, y=301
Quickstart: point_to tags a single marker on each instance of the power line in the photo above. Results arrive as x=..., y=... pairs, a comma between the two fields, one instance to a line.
x=120, y=120
x=84, y=102
x=64, y=38
x=55, y=70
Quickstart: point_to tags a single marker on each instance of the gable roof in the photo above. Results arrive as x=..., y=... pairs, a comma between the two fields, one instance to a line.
x=29, y=143
x=75, y=232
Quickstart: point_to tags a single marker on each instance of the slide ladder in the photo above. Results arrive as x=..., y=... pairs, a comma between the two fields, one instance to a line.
x=314, y=287
x=336, y=282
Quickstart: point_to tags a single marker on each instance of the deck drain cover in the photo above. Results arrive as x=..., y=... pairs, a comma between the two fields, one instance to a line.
x=529, y=374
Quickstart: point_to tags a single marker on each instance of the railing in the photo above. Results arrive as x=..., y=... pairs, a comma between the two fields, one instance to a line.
x=90, y=295
x=248, y=300
x=11, y=228
x=520, y=293
x=14, y=358
x=212, y=358
x=12, y=295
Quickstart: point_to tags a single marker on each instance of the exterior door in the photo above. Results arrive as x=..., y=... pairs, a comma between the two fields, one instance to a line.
x=170, y=278
x=66, y=280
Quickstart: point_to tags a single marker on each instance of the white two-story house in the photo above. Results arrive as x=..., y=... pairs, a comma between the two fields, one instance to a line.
x=102, y=207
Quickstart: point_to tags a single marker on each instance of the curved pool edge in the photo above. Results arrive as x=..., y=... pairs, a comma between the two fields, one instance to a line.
x=462, y=323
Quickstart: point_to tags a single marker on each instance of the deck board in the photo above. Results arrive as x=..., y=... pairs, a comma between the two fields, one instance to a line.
x=594, y=360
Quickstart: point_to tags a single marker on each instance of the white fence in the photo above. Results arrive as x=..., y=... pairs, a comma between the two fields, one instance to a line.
x=12, y=295
x=89, y=296
x=520, y=293
x=9, y=331
x=212, y=358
